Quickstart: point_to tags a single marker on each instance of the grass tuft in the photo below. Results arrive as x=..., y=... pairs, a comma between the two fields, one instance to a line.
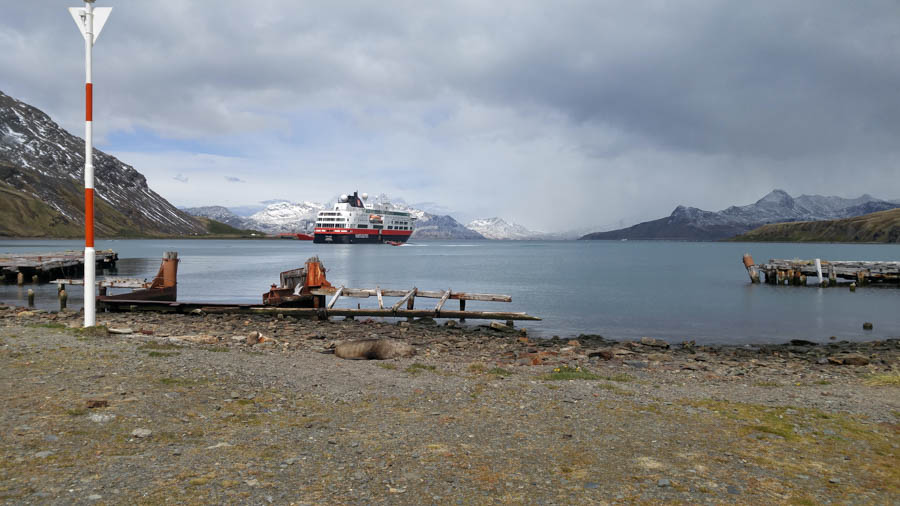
x=570, y=373
x=883, y=380
x=417, y=368
x=157, y=354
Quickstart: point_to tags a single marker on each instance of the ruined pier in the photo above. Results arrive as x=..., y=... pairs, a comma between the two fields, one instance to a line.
x=822, y=272
x=42, y=267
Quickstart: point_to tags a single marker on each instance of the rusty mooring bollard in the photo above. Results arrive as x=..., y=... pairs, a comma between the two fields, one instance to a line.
x=30, y=297
x=63, y=298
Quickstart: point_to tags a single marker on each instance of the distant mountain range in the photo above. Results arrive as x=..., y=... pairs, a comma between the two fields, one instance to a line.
x=42, y=185
x=283, y=216
x=692, y=224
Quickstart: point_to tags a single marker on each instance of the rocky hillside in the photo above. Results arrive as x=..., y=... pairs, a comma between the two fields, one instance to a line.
x=220, y=214
x=42, y=182
x=883, y=226
x=692, y=224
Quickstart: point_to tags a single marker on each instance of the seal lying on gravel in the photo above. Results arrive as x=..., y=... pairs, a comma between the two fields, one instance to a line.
x=377, y=349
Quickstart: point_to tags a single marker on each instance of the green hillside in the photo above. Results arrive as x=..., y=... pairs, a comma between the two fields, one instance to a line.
x=883, y=227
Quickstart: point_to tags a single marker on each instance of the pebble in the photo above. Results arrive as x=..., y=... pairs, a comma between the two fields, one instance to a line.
x=101, y=417
x=123, y=331
x=591, y=485
x=141, y=433
x=44, y=454
x=663, y=482
x=834, y=480
x=731, y=489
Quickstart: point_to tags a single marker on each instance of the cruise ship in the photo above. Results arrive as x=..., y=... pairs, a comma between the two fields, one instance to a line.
x=352, y=221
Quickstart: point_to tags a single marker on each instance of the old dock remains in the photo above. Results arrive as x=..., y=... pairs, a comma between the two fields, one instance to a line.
x=42, y=267
x=305, y=292
x=822, y=272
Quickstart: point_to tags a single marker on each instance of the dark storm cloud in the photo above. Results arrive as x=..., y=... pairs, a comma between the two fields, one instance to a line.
x=610, y=95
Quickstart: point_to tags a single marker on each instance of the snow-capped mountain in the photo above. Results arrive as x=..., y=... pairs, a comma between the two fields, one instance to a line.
x=497, y=228
x=222, y=215
x=282, y=216
x=428, y=226
x=690, y=223
x=287, y=217
x=41, y=177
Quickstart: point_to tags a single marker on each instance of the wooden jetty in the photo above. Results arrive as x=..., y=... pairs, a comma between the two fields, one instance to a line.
x=303, y=292
x=823, y=272
x=42, y=267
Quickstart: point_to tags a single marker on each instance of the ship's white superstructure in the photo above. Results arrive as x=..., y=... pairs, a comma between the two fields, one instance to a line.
x=352, y=221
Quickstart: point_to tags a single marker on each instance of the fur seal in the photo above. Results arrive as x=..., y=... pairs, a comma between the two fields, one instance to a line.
x=377, y=349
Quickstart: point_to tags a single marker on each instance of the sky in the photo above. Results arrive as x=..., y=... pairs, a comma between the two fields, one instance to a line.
x=555, y=115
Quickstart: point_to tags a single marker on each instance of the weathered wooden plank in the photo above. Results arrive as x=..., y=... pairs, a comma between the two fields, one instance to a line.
x=418, y=313
x=107, y=283
x=334, y=299
x=440, y=304
x=404, y=299
x=428, y=294
x=380, y=300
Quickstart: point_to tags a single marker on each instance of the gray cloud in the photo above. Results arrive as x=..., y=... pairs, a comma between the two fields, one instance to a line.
x=180, y=178
x=595, y=110
x=232, y=179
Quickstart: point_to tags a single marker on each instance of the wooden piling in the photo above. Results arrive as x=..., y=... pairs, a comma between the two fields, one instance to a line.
x=30, y=297
x=462, y=307
x=20, y=279
x=63, y=298
x=751, y=268
x=35, y=279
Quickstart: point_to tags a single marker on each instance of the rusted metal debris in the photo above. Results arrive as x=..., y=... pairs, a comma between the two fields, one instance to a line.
x=296, y=287
x=164, y=286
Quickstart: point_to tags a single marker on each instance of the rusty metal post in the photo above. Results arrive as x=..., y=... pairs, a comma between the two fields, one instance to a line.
x=170, y=269
x=751, y=268
x=63, y=298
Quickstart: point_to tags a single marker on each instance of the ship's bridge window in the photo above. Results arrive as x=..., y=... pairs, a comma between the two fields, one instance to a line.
x=362, y=226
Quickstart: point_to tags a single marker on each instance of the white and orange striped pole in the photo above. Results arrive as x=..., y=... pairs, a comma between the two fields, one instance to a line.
x=84, y=18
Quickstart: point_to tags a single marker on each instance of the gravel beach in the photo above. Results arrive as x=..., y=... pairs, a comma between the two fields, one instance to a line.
x=160, y=408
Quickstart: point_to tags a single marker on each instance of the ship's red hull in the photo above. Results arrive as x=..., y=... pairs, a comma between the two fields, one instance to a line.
x=359, y=235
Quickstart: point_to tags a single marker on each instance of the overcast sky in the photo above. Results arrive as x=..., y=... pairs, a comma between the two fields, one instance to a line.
x=555, y=115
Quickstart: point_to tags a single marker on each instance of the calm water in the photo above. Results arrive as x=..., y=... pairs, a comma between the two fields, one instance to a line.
x=669, y=290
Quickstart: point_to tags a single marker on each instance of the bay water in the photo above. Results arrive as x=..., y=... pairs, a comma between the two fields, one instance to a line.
x=622, y=290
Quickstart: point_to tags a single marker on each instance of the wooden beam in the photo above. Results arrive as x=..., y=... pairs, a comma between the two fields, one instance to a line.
x=388, y=313
x=334, y=299
x=440, y=304
x=380, y=300
x=404, y=299
x=428, y=294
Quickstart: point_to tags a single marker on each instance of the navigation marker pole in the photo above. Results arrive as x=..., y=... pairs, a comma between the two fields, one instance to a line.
x=90, y=21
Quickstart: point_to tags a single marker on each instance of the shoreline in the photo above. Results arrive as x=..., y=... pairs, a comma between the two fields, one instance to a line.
x=184, y=408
